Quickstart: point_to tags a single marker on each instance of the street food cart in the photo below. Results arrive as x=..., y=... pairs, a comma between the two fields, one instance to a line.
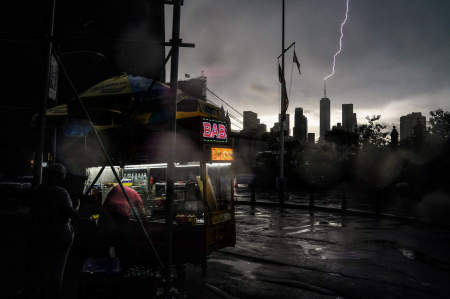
x=203, y=203
x=132, y=114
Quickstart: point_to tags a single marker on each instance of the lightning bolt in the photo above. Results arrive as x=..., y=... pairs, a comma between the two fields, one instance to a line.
x=340, y=44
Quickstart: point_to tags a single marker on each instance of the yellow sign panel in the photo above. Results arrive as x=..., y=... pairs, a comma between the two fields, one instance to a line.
x=221, y=154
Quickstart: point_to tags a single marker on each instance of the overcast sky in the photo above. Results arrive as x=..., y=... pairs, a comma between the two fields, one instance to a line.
x=395, y=60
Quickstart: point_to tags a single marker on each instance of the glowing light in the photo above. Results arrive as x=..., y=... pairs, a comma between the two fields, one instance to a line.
x=221, y=154
x=340, y=44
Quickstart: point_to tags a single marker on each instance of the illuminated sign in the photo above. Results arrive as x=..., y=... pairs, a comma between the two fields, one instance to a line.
x=221, y=154
x=214, y=131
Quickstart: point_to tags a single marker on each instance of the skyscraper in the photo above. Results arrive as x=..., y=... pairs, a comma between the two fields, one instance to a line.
x=324, y=117
x=348, y=118
x=250, y=120
x=300, y=125
x=411, y=122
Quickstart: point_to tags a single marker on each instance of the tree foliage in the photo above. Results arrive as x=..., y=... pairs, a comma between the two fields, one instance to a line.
x=440, y=124
x=373, y=133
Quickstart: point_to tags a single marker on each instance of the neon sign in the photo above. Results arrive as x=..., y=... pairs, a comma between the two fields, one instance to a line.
x=221, y=154
x=214, y=131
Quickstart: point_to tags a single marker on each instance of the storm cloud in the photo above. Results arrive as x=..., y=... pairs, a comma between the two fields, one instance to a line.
x=395, y=60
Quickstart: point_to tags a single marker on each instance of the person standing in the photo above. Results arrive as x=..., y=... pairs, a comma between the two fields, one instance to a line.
x=52, y=238
x=114, y=224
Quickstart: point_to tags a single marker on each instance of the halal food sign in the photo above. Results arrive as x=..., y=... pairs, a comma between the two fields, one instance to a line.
x=214, y=131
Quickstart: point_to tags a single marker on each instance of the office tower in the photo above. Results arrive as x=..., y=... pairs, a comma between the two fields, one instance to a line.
x=347, y=117
x=355, y=122
x=338, y=126
x=324, y=117
x=261, y=128
x=276, y=128
x=300, y=125
x=250, y=120
x=411, y=122
x=311, y=138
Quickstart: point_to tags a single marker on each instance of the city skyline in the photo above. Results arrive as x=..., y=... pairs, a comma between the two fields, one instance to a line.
x=392, y=63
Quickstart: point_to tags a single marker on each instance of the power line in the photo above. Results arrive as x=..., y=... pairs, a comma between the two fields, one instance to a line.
x=235, y=118
x=239, y=127
x=226, y=103
x=229, y=113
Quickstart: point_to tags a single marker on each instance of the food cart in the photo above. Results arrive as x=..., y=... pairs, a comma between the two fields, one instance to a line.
x=203, y=203
x=132, y=114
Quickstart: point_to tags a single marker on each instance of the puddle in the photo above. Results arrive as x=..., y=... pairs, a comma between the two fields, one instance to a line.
x=424, y=258
x=310, y=250
x=412, y=254
x=381, y=242
x=408, y=253
x=306, y=230
x=335, y=224
x=246, y=268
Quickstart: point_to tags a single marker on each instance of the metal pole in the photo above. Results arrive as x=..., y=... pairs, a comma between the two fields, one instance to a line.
x=283, y=117
x=172, y=129
x=95, y=180
x=43, y=109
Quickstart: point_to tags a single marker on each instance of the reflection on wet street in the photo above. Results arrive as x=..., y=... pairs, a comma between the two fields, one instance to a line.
x=286, y=253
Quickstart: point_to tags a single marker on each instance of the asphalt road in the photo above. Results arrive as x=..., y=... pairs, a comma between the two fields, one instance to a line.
x=286, y=253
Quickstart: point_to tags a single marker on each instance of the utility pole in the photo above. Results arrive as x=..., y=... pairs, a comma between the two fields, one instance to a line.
x=283, y=116
x=37, y=179
x=170, y=194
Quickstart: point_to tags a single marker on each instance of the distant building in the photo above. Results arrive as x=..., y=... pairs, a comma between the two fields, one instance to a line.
x=348, y=118
x=252, y=125
x=261, y=128
x=251, y=120
x=324, y=117
x=338, y=126
x=276, y=128
x=311, y=138
x=355, y=122
x=411, y=123
x=300, y=125
x=195, y=87
x=286, y=124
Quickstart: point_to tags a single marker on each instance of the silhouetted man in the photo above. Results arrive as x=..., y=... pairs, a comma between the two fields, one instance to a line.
x=114, y=220
x=52, y=210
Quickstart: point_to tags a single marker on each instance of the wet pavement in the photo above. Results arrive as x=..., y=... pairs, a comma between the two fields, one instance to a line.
x=289, y=253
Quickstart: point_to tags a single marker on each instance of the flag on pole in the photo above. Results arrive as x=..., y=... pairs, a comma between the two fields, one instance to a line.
x=284, y=96
x=280, y=74
x=297, y=63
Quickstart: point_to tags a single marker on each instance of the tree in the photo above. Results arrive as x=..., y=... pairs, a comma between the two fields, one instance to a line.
x=373, y=133
x=440, y=124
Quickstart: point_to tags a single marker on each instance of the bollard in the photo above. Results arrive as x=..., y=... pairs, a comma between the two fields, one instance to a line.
x=377, y=201
x=253, y=198
x=311, y=201
x=344, y=202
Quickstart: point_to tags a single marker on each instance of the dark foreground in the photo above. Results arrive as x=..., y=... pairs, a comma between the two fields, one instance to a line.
x=287, y=253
